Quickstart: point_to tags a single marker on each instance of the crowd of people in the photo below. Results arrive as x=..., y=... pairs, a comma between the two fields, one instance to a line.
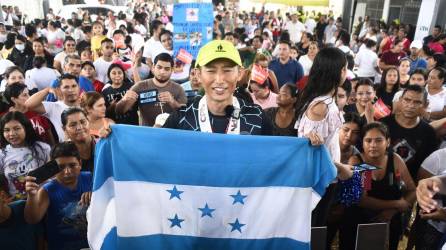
x=374, y=96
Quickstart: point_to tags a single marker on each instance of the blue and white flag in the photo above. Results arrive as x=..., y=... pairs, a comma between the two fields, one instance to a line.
x=172, y=189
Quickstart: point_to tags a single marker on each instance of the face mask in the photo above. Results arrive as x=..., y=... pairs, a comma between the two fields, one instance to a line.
x=20, y=47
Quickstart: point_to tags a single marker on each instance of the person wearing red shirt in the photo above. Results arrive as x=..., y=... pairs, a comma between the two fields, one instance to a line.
x=393, y=56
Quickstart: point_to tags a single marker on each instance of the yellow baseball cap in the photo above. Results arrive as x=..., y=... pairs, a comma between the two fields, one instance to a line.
x=218, y=49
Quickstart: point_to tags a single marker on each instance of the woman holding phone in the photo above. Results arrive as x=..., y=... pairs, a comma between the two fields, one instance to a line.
x=387, y=191
x=21, y=151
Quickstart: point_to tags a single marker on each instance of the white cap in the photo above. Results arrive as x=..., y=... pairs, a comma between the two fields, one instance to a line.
x=416, y=44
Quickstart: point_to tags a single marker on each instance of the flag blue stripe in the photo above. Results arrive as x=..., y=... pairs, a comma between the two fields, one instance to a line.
x=243, y=161
x=174, y=242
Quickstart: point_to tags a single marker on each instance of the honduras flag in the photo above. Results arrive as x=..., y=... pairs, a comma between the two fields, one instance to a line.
x=173, y=189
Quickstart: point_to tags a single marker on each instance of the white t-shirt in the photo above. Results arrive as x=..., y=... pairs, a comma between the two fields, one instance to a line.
x=101, y=67
x=137, y=41
x=367, y=61
x=437, y=101
x=397, y=96
x=141, y=29
x=329, y=33
x=4, y=64
x=41, y=78
x=60, y=57
x=435, y=164
x=53, y=111
x=306, y=64
x=295, y=30
x=311, y=24
x=152, y=47
x=55, y=41
x=15, y=163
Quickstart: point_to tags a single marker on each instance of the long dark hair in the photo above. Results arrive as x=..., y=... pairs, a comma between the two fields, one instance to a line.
x=31, y=137
x=383, y=85
x=325, y=76
x=117, y=65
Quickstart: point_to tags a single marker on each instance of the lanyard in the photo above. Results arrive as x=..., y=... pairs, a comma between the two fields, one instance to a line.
x=205, y=123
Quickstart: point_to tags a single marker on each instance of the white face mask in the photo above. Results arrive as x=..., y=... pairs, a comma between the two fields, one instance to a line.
x=20, y=47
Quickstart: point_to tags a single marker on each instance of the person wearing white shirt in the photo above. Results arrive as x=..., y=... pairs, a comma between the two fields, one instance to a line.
x=310, y=24
x=295, y=28
x=153, y=44
x=329, y=32
x=69, y=90
x=307, y=60
x=103, y=63
x=40, y=76
x=367, y=60
x=166, y=42
x=436, y=93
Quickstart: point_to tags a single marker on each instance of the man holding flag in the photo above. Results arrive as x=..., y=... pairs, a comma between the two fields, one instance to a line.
x=219, y=111
x=188, y=190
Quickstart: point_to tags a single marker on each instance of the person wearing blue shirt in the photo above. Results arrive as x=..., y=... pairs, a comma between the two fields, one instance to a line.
x=64, y=200
x=15, y=233
x=287, y=70
x=415, y=60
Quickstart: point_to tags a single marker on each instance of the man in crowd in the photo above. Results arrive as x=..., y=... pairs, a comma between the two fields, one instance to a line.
x=406, y=126
x=154, y=96
x=286, y=69
x=295, y=28
x=68, y=90
x=219, y=111
x=415, y=60
x=436, y=32
x=153, y=44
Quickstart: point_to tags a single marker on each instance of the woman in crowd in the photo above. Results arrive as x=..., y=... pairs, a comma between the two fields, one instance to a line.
x=304, y=44
x=263, y=61
x=14, y=74
x=55, y=38
x=319, y=119
x=349, y=136
x=283, y=117
x=436, y=93
x=69, y=49
x=436, y=60
x=389, y=86
x=307, y=60
x=365, y=96
x=40, y=75
x=262, y=95
x=119, y=84
x=39, y=50
x=77, y=129
x=16, y=95
x=21, y=152
x=403, y=70
x=387, y=191
x=94, y=104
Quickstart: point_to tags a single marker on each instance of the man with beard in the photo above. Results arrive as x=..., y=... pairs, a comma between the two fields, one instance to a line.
x=156, y=95
x=410, y=136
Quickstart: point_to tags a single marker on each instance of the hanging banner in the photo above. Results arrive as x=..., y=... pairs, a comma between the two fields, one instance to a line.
x=193, y=26
x=425, y=17
x=297, y=2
